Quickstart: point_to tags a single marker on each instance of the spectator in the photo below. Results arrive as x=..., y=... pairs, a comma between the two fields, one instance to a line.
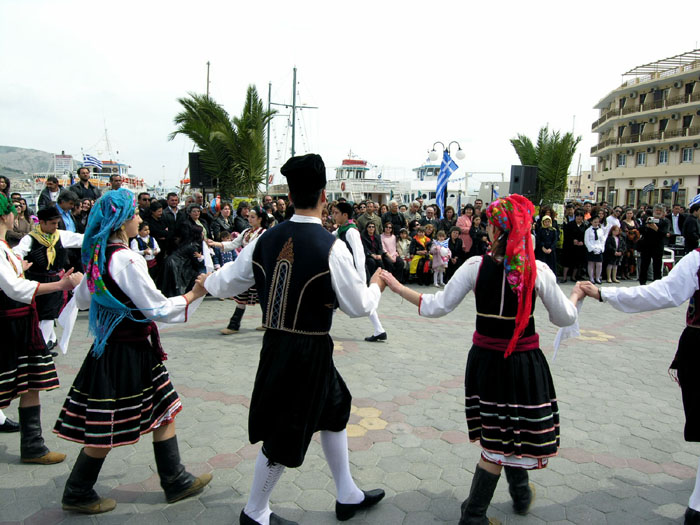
x=188, y=230
x=691, y=228
x=594, y=239
x=430, y=218
x=393, y=262
x=280, y=212
x=480, y=239
x=146, y=245
x=240, y=223
x=676, y=220
x=403, y=249
x=374, y=252
x=370, y=216
x=651, y=245
x=464, y=223
x=394, y=217
x=574, y=251
x=160, y=232
x=545, y=247
x=414, y=212
x=614, y=248
x=448, y=221
x=22, y=226
x=420, y=263
x=65, y=204
x=84, y=188
x=629, y=227
x=457, y=256
x=441, y=257
x=223, y=222
x=49, y=195
x=221, y=257
x=5, y=186
x=115, y=181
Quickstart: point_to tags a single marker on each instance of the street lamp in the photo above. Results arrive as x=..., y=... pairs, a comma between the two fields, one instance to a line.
x=434, y=156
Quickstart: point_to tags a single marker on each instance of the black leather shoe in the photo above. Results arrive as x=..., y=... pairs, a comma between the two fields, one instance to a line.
x=375, y=338
x=9, y=426
x=691, y=516
x=50, y=346
x=345, y=511
x=274, y=520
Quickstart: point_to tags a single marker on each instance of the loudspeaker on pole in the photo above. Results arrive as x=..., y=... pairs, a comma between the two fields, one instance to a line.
x=523, y=180
x=198, y=177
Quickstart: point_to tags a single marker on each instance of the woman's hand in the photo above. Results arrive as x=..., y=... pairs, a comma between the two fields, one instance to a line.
x=394, y=285
x=70, y=280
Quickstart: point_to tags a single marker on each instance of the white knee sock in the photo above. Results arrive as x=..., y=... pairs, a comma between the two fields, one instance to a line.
x=264, y=480
x=335, y=448
x=435, y=278
x=47, y=330
x=591, y=268
x=441, y=280
x=378, y=328
x=694, y=502
x=2, y=417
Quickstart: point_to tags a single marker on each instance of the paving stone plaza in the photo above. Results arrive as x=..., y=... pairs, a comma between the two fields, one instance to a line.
x=622, y=459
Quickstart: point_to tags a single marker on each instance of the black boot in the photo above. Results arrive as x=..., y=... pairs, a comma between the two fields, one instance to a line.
x=177, y=483
x=475, y=506
x=522, y=492
x=32, y=447
x=234, y=323
x=78, y=495
x=692, y=517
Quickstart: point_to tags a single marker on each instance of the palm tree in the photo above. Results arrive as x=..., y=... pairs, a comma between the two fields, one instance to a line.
x=552, y=155
x=231, y=151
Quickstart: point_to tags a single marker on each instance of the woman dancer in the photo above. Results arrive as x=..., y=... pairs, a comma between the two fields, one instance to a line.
x=122, y=391
x=26, y=367
x=511, y=405
x=258, y=220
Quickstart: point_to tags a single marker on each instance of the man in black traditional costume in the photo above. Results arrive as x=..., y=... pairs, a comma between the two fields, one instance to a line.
x=299, y=270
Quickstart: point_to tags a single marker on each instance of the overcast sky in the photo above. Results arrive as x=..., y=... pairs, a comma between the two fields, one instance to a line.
x=389, y=78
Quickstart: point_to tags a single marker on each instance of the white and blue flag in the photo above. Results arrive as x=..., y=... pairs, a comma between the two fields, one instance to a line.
x=447, y=168
x=89, y=160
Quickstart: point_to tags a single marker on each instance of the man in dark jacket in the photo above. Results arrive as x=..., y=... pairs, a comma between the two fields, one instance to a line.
x=395, y=217
x=653, y=233
x=84, y=188
x=676, y=220
x=49, y=195
x=691, y=228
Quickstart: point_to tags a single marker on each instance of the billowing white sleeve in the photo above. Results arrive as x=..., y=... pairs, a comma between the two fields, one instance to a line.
x=82, y=295
x=355, y=298
x=358, y=251
x=673, y=290
x=233, y=277
x=461, y=283
x=130, y=272
x=229, y=246
x=562, y=312
x=25, y=244
x=15, y=287
x=71, y=239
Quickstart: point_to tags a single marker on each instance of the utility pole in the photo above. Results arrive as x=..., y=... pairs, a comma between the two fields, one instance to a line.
x=207, y=79
x=267, y=157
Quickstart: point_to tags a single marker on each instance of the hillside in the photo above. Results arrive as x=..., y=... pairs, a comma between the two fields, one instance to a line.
x=15, y=162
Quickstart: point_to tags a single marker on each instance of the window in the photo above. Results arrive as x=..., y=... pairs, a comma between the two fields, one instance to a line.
x=641, y=158
x=663, y=156
x=687, y=119
x=689, y=89
x=662, y=124
x=680, y=196
x=629, y=200
x=620, y=131
x=642, y=98
x=621, y=160
x=687, y=155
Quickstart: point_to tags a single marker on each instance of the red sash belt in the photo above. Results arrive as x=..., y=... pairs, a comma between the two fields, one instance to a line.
x=524, y=344
x=16, y=313
x=139, y=333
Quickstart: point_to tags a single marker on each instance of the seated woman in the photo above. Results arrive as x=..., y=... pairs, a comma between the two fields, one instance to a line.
x=182, y=267
x=511, y=405
x=420, y=263
x=122, y=390
x=392, y=261
x=374, y=252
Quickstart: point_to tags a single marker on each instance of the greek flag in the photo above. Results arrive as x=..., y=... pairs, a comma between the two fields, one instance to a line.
x=447, y=168
x=649, y=187
x=674, y=188
x=695, y=200
x=89, y=160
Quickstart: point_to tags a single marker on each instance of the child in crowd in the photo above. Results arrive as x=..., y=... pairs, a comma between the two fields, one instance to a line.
x=614, y=248
x=147, y=246
x=429, y=231
x=594, y=239
x=480, y=243
x=221, y=257
x=403, y=248
x=441, y=256
x=420, y=257
x=456, y=252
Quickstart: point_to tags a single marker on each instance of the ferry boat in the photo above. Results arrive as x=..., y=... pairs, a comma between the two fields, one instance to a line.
x=356, y=180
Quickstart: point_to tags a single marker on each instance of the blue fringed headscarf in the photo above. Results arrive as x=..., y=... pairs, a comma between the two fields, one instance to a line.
x=106, y=217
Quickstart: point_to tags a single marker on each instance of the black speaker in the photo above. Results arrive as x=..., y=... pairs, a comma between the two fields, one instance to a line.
x=198, y=177
x=523, y=180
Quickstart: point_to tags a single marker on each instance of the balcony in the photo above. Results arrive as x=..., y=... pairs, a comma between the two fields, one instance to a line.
x=647, y=106
x=646, y=137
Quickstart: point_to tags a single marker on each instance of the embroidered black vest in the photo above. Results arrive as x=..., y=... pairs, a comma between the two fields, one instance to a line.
x=496, y=303
x=342, y=236
x=143, y=244
x=37, y=256
x=293, y=279
x=127, y=325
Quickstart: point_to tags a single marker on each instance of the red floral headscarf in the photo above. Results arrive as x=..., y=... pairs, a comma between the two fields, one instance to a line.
x=514, y=215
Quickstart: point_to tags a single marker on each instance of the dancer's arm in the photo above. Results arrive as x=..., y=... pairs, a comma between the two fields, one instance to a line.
x=441, y=303
x=562, y=311
x=674, y=289
x=232, y=279
x=354, y=297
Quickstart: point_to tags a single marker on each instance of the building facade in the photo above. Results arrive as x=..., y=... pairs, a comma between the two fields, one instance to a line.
x=580, y=187
x=649, y=135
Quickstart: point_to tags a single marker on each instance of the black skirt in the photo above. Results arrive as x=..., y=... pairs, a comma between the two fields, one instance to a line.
x=686, y=363
x=511, y=406
x=297, y=392
x=25, y=363
x=120, y=396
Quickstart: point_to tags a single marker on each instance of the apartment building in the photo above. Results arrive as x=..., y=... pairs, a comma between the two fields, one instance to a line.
x=649, y=134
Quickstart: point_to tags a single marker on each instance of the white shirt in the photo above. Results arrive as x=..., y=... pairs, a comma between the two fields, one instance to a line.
x=593, y=245
x=130, y=272
x=676, y=229
x=155, y=251
x=68, y=240
x=356, y=299
x=610, y=222
x=358, y=250
x=562, y=312
x=673, y=290
x=11, y=281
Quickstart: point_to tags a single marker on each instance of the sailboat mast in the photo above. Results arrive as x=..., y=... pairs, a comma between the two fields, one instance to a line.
x=294, y=108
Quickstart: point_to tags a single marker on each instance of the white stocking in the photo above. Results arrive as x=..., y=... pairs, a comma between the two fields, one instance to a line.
x=335, y=448
x=264, y=480
x=694, y=502
x=378, y=328
x=47, y=330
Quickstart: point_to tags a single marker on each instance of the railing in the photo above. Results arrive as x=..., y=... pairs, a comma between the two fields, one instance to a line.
x=647, y=106
x=657, y=135
x=674, y=101
x=674, y=133
x=630, y=139
x=629, y=109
